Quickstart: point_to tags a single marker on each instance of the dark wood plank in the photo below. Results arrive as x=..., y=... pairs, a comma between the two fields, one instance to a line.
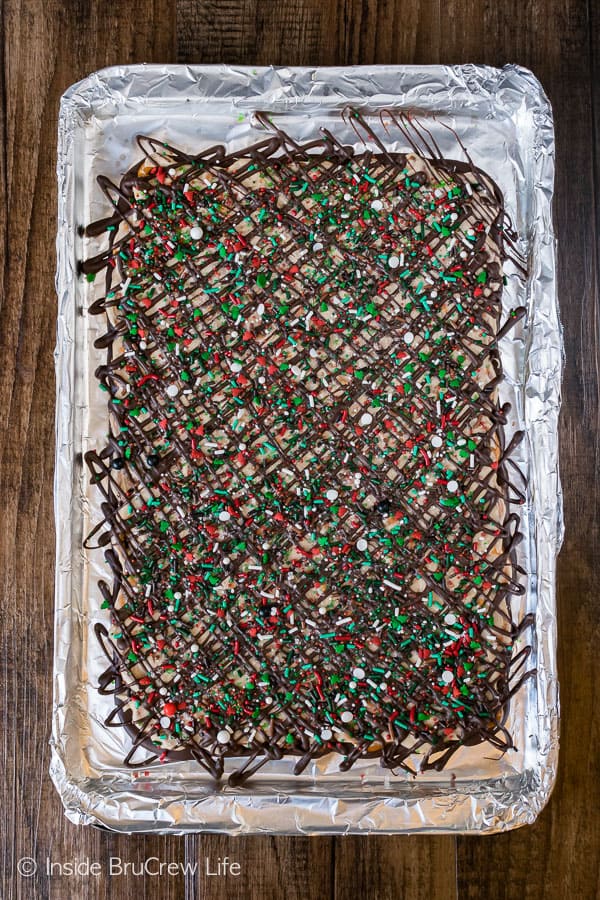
x=46, y=47
x=558, y=856
x=270, y=868
x=410, y=867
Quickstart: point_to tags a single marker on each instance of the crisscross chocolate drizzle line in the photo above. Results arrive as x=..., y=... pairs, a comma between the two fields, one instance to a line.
x=306, y=494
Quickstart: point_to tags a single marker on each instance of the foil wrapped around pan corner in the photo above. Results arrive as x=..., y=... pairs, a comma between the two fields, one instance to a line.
x=504, y=119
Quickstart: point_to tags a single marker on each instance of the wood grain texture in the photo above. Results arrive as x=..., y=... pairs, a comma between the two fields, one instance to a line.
x=45, y=47
x=294, y=868
x=410, y=867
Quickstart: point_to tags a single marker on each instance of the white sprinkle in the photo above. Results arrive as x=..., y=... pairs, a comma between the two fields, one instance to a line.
x=471, y=461
x=447, y=677
x=236, y=367
x=224, y=516
x=332, y=494
x=196, y=233
x=172, y=390
x=452, y=486
x=223, y=737
x=376, y=205
x=366, y=419
x=347, y=716
x=143, y=345
x=358, y=672
x=361, y=544
x=194, y=648
x=318, y=246
x=164, y=721
x=177, y=595
x=436, y=441
x=391, y=584
x=409, y=337
x=313, y=352
x=393, y=262
x=326, y=734
x=450, y=619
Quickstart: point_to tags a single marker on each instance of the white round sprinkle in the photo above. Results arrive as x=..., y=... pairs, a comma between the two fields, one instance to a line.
x=376, y=205
x=358, y=672
x=332, y=494
x=409, y=337
x=450, y=619
x=242, y=445
x=223, y=737
x=326, y=734
x=347, y=716
x=177, y=595
x=224, y=516
x=452, y=486
x=194, y=648
x=447, y=677
x=268, y=700
x=196, y=233
x=351, y=685
x=393, y=262
x=164, y=721
x=172, y=390
x=236, y=367
x=366, y=419
x=313, y=352
x=361, y=544
x=436, y=441
x=318, y=246
x=143, y=345
x=347, y=196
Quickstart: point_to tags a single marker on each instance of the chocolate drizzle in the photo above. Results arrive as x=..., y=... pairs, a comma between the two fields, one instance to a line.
x=307, y=496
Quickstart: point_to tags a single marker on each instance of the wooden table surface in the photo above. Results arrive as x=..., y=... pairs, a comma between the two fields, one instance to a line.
x=47, y=45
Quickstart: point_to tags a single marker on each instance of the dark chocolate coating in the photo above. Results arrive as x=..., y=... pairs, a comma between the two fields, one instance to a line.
x=328, y=461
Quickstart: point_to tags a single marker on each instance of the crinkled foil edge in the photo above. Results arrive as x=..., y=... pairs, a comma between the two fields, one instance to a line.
x=495, y=808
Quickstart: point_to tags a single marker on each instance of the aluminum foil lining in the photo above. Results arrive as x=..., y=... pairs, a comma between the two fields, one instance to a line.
x=504, y=119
